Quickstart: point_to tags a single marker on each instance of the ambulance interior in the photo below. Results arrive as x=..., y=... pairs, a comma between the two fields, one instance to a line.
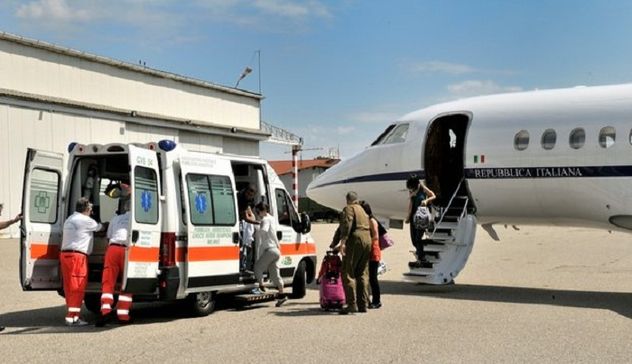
x=92, y=177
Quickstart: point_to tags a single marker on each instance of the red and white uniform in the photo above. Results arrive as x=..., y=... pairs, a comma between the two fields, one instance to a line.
x=113, y=267
x=75, y=247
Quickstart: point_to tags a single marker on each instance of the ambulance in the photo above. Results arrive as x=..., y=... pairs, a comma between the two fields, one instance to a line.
x=184, y=240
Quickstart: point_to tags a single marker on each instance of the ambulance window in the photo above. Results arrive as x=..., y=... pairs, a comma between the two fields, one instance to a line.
x=145, y=195
x=43, y=201
x=607, y=137
x=211, y=200
x=285, y=209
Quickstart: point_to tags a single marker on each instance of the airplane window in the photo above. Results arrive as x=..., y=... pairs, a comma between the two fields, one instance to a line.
x=381, y=136
x=607, y=137
x=548, y=139
x=521, y=140
x=397, y=135
x=577, y=138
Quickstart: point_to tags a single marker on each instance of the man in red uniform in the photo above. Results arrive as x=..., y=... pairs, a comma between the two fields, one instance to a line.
x=6, y=224
x=114, y=263
x=75, y=247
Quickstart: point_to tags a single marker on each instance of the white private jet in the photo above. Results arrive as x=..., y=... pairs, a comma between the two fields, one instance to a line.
x=560, y=157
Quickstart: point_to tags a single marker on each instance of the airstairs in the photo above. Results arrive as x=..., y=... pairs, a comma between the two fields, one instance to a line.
x=448, y=244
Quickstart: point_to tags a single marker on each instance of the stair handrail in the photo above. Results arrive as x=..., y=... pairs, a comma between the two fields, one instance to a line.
x=456, y=191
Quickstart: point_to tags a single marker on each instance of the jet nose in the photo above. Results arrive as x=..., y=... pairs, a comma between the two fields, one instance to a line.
x=324, y=189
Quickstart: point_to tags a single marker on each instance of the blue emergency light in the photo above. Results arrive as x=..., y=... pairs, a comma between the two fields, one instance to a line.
x=167, y=145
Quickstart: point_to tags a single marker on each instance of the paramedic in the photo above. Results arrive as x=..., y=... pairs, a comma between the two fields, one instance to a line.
x=114, y=261
x=6, y=224
x=247, y=222
x=355, y=247
x=269, y=251
x=75, y=247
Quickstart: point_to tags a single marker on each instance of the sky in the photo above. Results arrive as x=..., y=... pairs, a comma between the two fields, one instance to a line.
x=337, y=73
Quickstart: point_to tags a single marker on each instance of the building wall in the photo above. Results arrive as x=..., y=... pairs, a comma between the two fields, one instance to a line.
x=39, y=71
x=49, y=98
x=305, y=177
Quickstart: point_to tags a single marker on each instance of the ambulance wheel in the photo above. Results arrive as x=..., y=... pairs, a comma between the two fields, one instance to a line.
x=299, y=284
x=93, y=302
x=202, y=303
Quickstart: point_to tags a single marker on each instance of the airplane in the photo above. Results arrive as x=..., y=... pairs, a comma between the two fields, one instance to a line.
x=548, y=157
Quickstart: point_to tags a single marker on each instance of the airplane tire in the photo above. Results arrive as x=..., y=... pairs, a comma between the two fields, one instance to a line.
x=202, y=303
x=299, y=284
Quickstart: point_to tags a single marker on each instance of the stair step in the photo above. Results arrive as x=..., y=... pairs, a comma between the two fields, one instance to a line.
x=252, y=298
x=435, y=247
x=420, y=272
x=447, y=225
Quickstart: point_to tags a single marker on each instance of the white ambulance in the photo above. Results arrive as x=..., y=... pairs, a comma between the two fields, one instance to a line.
x=184, y=241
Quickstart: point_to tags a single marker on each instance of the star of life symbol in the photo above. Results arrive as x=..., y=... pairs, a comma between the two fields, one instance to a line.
x=145, y=200
x=42, y=202
x=200, y=203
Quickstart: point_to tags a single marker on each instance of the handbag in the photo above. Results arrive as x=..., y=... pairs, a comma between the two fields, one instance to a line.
x=386, y=241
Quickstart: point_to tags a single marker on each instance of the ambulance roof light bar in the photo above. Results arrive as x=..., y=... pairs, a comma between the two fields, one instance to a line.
x=167, y=145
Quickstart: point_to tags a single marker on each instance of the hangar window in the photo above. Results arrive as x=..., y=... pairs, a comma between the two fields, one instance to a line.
x=521, y=140
x=577, y=138
x=607, y=136
x=549, y=137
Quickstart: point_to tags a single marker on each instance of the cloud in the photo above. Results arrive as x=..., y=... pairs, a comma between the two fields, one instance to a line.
x=374, y=116
x=293, y=9
x=345, y=129
x=479, y=87
x=53, y=10
x=441, y=67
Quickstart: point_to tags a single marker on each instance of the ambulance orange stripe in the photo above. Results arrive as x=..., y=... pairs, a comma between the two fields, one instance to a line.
x=142, y=254
x=298, y=249
x=203, y=253
x=44, y=251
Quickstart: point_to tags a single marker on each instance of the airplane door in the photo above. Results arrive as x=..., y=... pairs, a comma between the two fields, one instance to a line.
x=141, y=273
x=212, y=252
x=42, y=221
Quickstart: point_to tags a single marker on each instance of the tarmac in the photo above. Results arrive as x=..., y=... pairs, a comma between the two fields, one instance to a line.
x=540, y=294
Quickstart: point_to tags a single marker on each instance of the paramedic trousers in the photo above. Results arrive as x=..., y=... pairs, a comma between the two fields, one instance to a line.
x=355, y=269
x=268, y=260
x=74, y=272
x=112, y=269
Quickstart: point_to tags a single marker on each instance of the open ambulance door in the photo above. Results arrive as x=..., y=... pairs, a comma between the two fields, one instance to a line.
x=212, y=253
x=42, y=221
x=141, y=268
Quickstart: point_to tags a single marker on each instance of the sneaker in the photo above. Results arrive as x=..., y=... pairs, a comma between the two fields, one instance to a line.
x=375, y=305
x=256, y=291
x=75, y=322
x=281, y=301
x=348, y=310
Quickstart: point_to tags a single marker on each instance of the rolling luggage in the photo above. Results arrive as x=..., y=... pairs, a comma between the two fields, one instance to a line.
x=332, y=294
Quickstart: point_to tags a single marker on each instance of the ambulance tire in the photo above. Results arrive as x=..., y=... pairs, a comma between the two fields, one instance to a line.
x=93, y=302
x=202, y=303
x=299, y=284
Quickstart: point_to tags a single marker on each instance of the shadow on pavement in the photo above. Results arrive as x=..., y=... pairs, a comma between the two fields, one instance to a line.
x=619, y=302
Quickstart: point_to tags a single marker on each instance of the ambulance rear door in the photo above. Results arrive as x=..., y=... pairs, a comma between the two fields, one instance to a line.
x=141, y=272
x=42, y=221
x=212, y=252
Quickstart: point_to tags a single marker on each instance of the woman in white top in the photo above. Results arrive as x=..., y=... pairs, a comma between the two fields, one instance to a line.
x=268, y=251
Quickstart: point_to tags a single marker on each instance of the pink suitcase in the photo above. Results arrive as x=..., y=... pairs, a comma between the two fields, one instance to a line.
x=332, y=293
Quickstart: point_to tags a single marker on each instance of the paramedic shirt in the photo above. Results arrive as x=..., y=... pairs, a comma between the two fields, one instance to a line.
x=117, y=231
x=78, y=230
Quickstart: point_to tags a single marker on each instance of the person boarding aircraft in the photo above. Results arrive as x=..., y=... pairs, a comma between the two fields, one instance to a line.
x=515, y=158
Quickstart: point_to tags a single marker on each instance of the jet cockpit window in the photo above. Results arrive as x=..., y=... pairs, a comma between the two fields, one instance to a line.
x=396, y=135
x=549, y=137
x=577, y=138
x=521, y=140
x=380, y=138
x=607, y=137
